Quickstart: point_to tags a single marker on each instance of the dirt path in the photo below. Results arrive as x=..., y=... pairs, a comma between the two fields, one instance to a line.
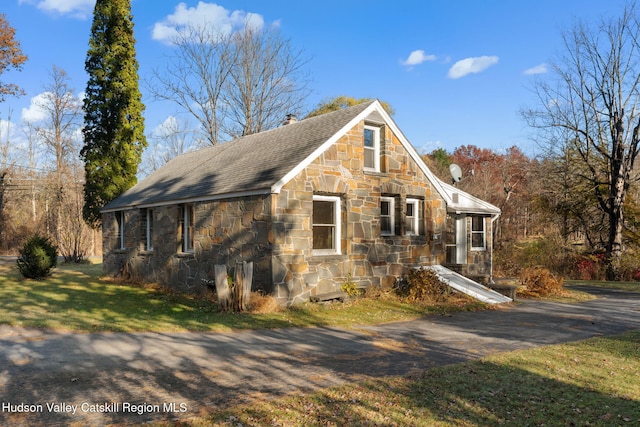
x=136, y=378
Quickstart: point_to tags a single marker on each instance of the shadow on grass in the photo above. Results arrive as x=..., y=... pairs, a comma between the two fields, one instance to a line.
x=208, y=372
x=481, y=393
x=75, y=298
x=201, y=371
x=211, y=371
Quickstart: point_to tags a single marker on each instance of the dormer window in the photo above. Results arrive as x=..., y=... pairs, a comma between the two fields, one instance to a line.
x=372, y=148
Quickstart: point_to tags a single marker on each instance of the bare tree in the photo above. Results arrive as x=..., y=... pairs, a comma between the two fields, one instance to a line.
x=592, y=106
x=194, y=76
x=62, y=118
x=57, y=131
x=266, y=81
x=233, y=84
x=171, y=139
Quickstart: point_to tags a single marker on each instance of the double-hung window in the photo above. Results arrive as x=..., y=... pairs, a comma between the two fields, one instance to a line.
x=478, y=240
x=387, y=216
x=120, y=229
x=412, y=217
x=372, y=148
x=146, y=217
x=187, y=222
x=326, y=225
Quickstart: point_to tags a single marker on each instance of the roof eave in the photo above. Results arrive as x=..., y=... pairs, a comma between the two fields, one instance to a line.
x=210, y=198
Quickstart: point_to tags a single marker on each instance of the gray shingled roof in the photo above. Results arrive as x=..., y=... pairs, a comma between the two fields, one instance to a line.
x=249, y=164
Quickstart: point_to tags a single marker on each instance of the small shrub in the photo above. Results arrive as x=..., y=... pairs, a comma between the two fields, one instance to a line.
x=511, y=258
x=539, y=282
x=423, y=285
x=260, y=303
x=349, y=287
x=37, y=258
x=587, y=266
x=377, y=292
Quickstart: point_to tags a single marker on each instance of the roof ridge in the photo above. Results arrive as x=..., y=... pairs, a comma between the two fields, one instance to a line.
x=306, y=120
x=250, y=163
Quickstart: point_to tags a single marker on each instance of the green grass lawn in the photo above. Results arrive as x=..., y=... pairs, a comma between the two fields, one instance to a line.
x=595, y=382
x=625, y=286
x=75, y=298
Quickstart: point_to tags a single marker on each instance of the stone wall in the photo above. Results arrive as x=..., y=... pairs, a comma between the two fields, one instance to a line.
x=275, y=230
x=225, y=232
x=366, y=257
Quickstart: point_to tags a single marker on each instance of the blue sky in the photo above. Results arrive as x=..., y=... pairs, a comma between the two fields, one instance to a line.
x=457, y=72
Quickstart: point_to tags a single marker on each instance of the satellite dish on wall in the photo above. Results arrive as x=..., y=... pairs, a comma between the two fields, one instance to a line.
x=456, y=172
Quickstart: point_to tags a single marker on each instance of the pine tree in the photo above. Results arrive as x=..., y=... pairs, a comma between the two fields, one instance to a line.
x=113, y=123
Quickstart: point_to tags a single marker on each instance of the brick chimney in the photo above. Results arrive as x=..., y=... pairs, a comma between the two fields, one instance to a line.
x=291, y=118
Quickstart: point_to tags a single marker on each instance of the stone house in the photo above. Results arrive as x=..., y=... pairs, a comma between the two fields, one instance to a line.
x=313, y=203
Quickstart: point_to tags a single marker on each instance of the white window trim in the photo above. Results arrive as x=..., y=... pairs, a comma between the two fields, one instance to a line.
x=376, y=149
x=120, y=224
x=392, y=215
x=337, y=228
x=483, y=232
x=186, y=224
x=149, y=229
x=416, y=216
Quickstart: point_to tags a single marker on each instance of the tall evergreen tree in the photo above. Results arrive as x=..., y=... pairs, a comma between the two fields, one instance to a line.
x=113, y=123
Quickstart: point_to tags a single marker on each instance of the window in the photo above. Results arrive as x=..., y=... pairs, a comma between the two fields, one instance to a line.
x=411, y=217
x=326, y=225
x=372, y=148
x=477, y=233
x=120, y=229
x=146, y=222
x=187, y=221
x=387, y=216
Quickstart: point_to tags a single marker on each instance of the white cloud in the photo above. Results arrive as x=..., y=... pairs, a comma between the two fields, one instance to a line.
x=429, y=146
x=35, y=113
x=204, y=14
x=40, y=106
x=165, y=128
x=6, y=130
x=418, y=57
x=471, y=66
x=538, y=69
x=76, y=8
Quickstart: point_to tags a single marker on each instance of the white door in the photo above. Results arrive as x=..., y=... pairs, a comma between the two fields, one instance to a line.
x=456, y=243
x=461, y=239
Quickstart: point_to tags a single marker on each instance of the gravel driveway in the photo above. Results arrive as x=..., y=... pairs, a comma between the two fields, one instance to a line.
x=49, y=378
